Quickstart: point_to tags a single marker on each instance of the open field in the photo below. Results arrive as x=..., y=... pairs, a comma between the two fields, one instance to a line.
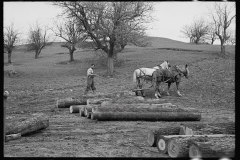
x=39, y=82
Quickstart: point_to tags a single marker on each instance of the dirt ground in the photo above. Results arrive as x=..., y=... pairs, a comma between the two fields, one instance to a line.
x=38, y=83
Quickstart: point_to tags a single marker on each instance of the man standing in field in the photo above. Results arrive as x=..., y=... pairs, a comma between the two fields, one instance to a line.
x=90, y=80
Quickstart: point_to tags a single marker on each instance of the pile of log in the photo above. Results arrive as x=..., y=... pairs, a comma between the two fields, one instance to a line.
x=195, y=142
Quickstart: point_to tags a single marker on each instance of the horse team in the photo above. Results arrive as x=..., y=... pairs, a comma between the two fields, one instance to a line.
x=161, y=73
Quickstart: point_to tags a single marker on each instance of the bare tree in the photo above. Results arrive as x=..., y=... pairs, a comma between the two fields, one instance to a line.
x=109, y=24
x=222, y=17
x=211, y=35
x=196, y=31
x=232, y=38
x=37, y=39
x=11, y=36
x=71, y=33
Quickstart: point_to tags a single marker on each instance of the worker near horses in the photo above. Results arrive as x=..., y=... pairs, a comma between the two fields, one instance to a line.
x=90, y=80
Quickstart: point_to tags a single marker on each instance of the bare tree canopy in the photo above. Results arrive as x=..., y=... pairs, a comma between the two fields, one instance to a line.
x=11, y=36
x=222, y=16
x=37, y=39
x=196, y=31
x=111, y=25
x=68, y=30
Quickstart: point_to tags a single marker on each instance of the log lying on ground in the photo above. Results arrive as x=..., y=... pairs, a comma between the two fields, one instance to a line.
x=34, y=123
x=136, y=99
x=179, y=145
x=142, y=108
x=76, y=108
x=97, y=101
x=66, y=103
x=152, y=136
x=212, y=128
x=12, y=137
x=150, y=116
x=215, y=147
x=162, y=144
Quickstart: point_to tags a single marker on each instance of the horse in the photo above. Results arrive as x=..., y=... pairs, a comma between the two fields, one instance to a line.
x=168, y=76
x=145, y=74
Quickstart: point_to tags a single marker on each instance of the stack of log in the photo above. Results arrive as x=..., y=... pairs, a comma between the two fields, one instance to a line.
x=202, y=140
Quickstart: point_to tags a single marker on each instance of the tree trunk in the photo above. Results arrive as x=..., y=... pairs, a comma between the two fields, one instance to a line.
x=9, y=57
x=66, y=103
x=152, y=136
x=212, y=147
x=36, y=54
x=212, y=128
x=143, y=108
x=110, y=66
x=71, y=55
x=12, y=137
x=32, y=124
x=76, y=108
x=150, y=116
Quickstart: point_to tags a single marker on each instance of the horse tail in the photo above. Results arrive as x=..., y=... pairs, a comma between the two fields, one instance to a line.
x=135, y=76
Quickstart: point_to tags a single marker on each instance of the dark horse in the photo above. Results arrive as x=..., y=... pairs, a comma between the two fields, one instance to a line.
x=168, y=76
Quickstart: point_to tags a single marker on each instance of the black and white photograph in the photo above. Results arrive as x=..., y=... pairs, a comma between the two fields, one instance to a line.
x=119, y=79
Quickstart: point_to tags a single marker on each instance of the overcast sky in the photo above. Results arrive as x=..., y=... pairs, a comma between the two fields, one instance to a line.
x=169, y=17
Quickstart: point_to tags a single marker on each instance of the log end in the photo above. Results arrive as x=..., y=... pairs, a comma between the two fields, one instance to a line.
x=173, y=149
x=194, y=151
x=151, y=139
x=162, y=144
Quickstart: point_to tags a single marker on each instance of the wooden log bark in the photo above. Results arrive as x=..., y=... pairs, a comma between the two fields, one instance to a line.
x=178, y=147
x=162, y=144
x=66, y=103
x=153, y=135
x=34, y=123
x=211, y=128
x=150, y=116
x=12, y=137
x=97, y=100
x=76, y=108
x=143, y=108
x=212, y=147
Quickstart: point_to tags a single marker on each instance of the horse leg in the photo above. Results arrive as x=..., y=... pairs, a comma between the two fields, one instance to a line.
x=157, y=93
x=169, y=85
x=178, y=92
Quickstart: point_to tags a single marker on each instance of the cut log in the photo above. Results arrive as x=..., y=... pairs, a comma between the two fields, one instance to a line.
x=66, y=103
x=152, y=136
x=211, y=135
x=89, y=115
x=87, y=109
x=34, y=123
x=178, y=147
x=76, y=108
x=150, y=116
x=12, y=137
x=212, y=128
x=162, y=144
x=97, y=101
x=136, y=99
x=212, y=147
x=143, y=108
